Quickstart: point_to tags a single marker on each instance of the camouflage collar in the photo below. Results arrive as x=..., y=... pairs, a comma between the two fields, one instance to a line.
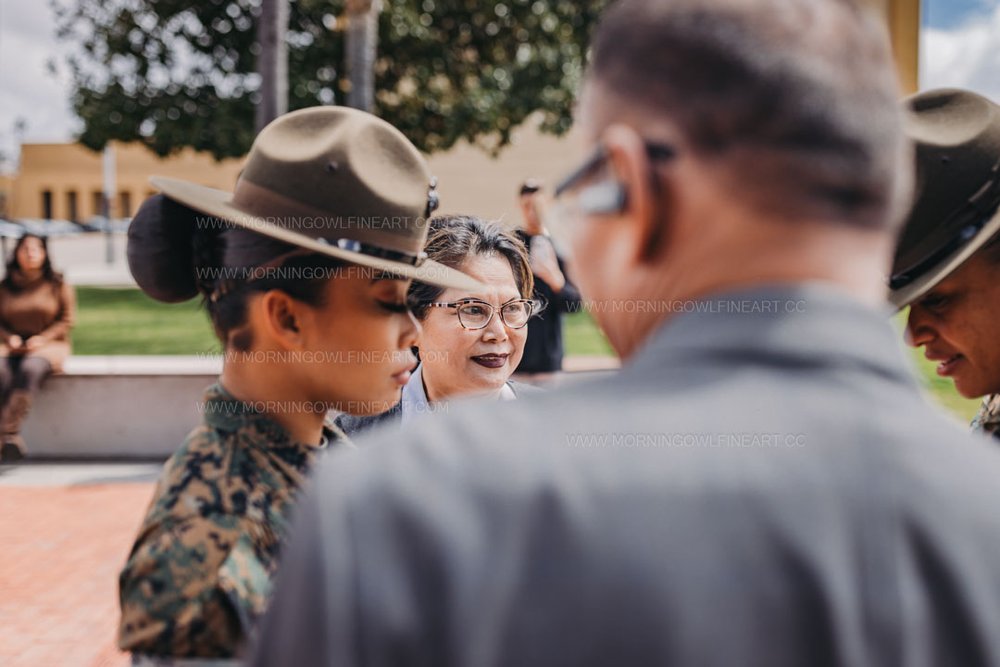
x=987, y=420
x=224, y=412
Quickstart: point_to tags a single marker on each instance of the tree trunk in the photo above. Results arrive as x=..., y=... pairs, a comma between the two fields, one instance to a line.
x=361, y=47
x=272, y=63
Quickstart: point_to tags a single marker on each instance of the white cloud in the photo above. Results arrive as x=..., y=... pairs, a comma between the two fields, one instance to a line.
x=967, y=56
x=27, y=88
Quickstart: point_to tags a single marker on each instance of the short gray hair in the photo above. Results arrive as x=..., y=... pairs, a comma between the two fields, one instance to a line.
x=452, y=239
x=797, y=99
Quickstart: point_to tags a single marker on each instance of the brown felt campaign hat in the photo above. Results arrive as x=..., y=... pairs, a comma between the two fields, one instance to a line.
x=338, y=181
x=957, y=138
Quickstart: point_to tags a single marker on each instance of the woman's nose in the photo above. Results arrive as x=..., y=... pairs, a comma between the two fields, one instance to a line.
x=412, y=330
x=495, y=329
x=917, y=332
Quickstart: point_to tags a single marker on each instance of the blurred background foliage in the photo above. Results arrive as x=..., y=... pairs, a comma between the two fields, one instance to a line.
x=175, y=73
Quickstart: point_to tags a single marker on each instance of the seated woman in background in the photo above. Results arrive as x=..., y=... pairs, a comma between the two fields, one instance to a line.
x=37, y=309
x=471, y=341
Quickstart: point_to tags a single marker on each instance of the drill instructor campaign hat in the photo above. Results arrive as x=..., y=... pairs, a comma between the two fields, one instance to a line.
x=957, y=138
x=338, y=181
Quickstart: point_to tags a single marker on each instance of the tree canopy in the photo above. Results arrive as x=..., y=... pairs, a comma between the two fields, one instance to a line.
x=176, y=73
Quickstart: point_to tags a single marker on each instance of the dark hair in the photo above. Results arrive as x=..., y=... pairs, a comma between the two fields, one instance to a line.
x=48, y=273
x=227, y=264
x=798, y=96
x=530, y=187
x=176, y=253
x=452, y=239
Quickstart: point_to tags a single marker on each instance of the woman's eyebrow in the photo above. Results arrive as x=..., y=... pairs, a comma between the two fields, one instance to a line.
x=487, y=299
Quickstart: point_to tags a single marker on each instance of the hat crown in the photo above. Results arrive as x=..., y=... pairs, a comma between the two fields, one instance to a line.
x=956, y=135
x=328, y=180
x=346, y=173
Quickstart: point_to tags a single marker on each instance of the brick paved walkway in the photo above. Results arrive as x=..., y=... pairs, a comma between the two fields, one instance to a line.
x=61, y=547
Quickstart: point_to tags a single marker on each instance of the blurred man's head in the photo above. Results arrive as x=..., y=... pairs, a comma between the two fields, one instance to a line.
x=947, y=265
x=740, y=142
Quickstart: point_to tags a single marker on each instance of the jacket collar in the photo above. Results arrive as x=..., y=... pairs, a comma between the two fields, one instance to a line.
x=804, y=323
x=413, y=400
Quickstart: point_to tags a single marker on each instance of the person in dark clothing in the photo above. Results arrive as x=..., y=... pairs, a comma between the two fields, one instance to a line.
x=543, y=351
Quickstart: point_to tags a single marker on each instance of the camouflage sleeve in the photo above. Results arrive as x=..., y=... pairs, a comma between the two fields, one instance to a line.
x=987, y=420
x=190, y=588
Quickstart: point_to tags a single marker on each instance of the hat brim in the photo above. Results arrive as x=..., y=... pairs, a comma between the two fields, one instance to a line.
x=218, y=204
x=907, y=294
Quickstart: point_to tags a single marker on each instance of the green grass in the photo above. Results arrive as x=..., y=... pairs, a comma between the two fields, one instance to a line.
x=582, y=337
x=126, y=321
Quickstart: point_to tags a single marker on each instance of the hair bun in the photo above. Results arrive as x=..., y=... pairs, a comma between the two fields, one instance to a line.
x=161, y=251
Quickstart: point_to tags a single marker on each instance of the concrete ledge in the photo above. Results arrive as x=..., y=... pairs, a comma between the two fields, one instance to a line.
x=142, y=407
x=590, y=364
x=119, y=407
x=151, y=365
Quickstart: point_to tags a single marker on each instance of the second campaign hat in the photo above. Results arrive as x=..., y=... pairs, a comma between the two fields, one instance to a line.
x=338, y=181
x=957, y=139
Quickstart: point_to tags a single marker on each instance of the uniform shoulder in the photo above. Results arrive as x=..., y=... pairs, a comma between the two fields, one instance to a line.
x=205, y=554
x=193, y=474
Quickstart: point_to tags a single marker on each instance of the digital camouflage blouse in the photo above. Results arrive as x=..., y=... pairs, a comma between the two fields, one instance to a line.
x=200, y=571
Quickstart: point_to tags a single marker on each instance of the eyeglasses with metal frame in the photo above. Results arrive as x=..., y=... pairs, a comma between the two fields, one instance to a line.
x=474, y=314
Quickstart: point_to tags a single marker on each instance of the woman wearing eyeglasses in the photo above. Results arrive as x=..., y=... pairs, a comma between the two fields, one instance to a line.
x=471, y=341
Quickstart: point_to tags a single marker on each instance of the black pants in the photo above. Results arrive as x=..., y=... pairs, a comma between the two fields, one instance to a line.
x=22, y=372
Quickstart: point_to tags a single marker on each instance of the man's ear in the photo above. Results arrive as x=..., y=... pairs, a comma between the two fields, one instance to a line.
x=281, y=315
x=644, y=195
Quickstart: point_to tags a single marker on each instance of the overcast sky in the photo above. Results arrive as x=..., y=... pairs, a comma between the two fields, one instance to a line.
x=960, y=46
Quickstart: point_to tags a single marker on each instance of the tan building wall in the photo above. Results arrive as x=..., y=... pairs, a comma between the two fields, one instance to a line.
x=472, y=182
x=69, y=175
x=68, y=179
x=6, y=186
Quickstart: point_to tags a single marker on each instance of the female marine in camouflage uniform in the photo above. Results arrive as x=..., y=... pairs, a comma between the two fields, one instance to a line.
x=304, y=271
